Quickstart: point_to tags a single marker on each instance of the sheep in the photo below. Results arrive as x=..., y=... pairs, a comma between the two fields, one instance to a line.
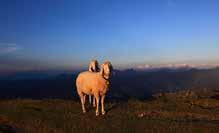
x=96, y=84
x=93, y=67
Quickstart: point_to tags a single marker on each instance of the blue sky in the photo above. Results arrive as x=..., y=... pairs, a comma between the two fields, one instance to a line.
x=66, y=34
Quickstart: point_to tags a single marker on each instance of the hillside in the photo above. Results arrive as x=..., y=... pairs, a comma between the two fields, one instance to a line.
x=124, y=84
x=167, y=112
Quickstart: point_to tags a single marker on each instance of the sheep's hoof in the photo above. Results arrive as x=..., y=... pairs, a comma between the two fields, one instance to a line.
x=84, y=111
x=103, y=113
x=97, y=113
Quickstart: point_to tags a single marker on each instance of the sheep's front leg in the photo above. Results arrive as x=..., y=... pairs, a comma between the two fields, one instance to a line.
x=97, y=104
x=102, y=104
x=82, y=103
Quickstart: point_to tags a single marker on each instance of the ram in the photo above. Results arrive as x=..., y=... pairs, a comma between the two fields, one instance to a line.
x=95, y=84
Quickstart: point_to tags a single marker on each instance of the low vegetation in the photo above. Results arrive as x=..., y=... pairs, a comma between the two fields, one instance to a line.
x=169, y=112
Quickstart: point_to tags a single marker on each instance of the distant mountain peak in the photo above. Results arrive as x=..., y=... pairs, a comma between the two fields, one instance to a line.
x=175, y=66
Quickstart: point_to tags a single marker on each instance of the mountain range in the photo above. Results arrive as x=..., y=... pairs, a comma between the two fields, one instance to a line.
x=125, y=84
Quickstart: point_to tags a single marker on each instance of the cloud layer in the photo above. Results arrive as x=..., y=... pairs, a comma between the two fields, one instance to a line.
x=8, y=48
x=175, y=66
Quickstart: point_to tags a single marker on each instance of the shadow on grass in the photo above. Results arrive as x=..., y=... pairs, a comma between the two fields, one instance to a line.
x=215, y=97
x=34, y=108
x=113, y=106
x=6, y=129
x=107, y=108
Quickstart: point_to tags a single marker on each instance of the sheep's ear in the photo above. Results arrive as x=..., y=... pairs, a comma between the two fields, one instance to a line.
x=90, y=68
x=111, y=67
x=97, y=66
x=102, y=69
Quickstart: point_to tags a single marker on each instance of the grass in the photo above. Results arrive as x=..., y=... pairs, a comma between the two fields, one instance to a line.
x=161, y=115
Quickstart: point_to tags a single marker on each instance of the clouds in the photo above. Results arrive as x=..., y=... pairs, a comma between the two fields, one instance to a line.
x=8, y=48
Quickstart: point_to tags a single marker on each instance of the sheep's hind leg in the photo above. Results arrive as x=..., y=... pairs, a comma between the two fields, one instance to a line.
x=84, y=99
x=90, y=99
x=102, y=105
x=94, y=103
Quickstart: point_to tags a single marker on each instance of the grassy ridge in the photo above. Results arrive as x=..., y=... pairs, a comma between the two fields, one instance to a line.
x=164, y=114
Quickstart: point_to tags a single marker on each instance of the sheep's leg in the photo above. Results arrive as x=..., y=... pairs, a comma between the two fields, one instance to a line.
x=102, y=104
x=90, y=99
x=97, y=106
x=94, y=103
x=84, y=99
x=82, y=103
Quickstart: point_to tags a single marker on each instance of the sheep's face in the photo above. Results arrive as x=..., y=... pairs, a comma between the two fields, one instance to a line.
x=107, y=69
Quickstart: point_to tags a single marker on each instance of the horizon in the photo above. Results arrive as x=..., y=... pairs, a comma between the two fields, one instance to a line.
x=138, y=68
x=66, y=35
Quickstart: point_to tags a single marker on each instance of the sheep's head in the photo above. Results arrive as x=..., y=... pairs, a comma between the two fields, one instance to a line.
x=106, y=69
x=93, y=66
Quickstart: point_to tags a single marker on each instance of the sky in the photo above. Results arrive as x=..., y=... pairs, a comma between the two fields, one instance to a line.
x=40, y=35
